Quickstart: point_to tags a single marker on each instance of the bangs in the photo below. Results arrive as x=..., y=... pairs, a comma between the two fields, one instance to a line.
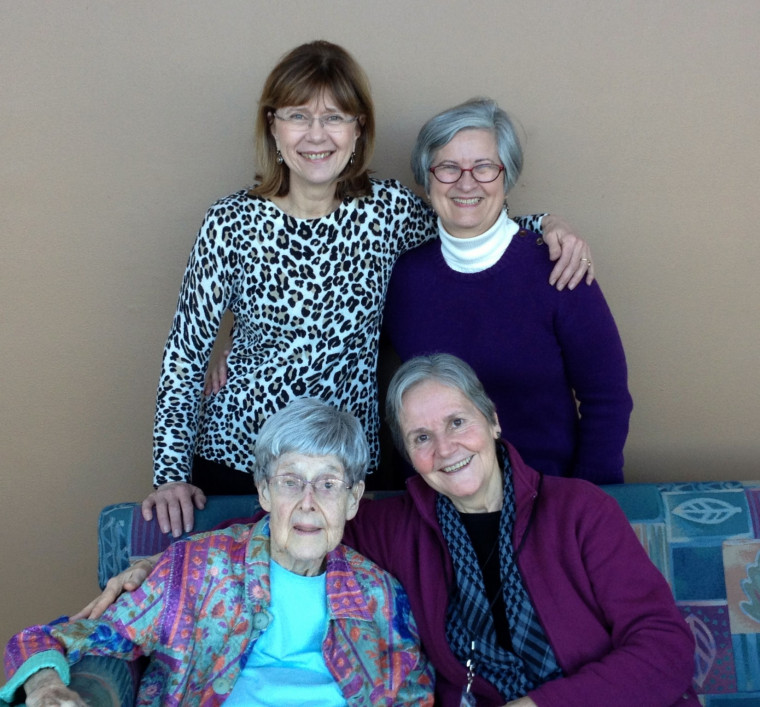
x=299, y=87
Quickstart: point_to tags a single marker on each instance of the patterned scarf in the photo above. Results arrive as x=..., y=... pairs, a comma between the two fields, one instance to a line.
x=531, y=661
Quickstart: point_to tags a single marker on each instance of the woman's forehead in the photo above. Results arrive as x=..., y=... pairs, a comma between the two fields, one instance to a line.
x=308, y=465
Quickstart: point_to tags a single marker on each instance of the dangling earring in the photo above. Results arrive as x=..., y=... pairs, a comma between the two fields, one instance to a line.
x=506, y=207
x=351, y=159
x=279, y=157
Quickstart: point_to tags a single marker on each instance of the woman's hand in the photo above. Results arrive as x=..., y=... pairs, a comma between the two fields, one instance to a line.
x=46, y=689
x=174, y=506
x=127, y=581
x=216, y=373
x=522, y=702
x=572, y=254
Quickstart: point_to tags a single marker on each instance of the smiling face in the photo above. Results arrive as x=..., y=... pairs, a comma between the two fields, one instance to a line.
x=315, y=157
x=452, y=446
x=468, y=208
x=303, y=530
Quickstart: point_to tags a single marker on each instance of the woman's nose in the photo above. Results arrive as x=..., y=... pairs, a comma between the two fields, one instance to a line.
x=307, y=499
x=316, y=129
x=445, y=446
x=467, y=181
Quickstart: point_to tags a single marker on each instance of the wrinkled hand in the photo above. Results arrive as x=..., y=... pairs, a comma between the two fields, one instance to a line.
x=46, y=689
x=174, y=506
x=127, y=581
x=572, y=254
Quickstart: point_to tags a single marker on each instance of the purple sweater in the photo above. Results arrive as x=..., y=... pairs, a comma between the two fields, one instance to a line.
x=531, y=346
x=606, y=609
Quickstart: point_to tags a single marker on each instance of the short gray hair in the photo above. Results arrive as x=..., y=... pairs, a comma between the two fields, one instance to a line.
x=312, y=427
x=475, y=114
x=443, y=368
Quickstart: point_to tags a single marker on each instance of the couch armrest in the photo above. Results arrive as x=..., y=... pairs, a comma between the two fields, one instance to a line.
x=103, y=681
x=124, y=535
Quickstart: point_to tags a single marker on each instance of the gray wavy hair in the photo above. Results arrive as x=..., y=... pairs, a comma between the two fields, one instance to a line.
x=315, y=428
x=475, y=114
x=447, y=370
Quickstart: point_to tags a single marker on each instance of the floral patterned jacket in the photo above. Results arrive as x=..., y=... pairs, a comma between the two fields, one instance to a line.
x=204, y=606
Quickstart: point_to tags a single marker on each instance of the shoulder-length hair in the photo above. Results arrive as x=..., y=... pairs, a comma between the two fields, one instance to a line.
x=304, y=73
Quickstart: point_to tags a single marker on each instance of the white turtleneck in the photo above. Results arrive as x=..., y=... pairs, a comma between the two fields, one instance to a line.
x=481, y=252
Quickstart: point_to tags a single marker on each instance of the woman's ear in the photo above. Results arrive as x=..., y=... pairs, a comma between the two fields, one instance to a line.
x=496, y=427
x=265, y=500
x=355, y=494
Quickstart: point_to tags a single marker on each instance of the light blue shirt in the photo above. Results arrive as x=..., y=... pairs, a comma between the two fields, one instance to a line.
x=286, y=666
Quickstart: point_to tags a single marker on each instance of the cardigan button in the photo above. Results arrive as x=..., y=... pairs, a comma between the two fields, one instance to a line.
x=222, y=686
x=260, y=620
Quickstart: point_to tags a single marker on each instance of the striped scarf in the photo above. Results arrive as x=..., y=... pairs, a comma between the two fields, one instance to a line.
x=531, y=661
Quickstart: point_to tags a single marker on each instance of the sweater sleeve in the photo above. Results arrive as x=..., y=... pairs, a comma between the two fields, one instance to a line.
x=125, y=631
x=597, y=373
x=204, y=295
x=651, y=660
x=533, y=222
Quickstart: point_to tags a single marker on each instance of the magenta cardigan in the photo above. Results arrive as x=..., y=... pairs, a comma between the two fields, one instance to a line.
x=607, y=611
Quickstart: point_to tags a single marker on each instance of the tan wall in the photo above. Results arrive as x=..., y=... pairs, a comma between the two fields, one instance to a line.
x=121, y=122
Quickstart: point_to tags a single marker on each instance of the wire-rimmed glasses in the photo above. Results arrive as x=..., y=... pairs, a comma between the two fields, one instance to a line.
x=301, y=121
x=448, y=173
x=326, y=488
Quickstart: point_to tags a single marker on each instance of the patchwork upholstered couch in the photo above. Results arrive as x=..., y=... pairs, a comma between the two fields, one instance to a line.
x=704, y=537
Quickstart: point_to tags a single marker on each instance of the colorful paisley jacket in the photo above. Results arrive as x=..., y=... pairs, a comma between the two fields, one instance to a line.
x=204, y=606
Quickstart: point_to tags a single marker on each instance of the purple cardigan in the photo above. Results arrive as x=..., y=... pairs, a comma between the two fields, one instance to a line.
x=607, y=611
x=535, y=350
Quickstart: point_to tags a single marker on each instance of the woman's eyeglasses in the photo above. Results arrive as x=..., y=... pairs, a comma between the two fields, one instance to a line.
x=301, y=121
x=326, y=488
x=483, y=173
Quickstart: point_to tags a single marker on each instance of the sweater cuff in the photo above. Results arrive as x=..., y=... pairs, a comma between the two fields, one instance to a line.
x=531, y=222
x=14, y=688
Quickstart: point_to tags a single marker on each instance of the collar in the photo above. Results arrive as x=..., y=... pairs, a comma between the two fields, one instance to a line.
x=468, y=255
x=525, y=481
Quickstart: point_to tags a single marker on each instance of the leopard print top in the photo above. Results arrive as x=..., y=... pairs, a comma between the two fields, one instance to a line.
x=307, y=296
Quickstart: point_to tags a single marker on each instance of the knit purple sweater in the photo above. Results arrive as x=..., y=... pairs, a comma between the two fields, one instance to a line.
x=535, y=349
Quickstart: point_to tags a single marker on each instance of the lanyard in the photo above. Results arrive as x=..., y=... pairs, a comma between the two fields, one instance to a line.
x=468, y=699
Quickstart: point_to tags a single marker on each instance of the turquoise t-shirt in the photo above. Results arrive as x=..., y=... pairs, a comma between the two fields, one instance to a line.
x=286, y=666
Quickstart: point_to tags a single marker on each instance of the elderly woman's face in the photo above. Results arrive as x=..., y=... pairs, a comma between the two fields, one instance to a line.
x=305, y=525
x=452, y=445
x=318, y=154
x=468, y=208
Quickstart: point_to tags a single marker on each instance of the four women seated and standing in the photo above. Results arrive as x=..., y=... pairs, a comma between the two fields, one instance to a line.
x=272, y=613
x=552, y=361
x=528, y=589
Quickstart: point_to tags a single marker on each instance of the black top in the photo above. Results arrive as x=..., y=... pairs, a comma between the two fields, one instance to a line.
x=483, y=529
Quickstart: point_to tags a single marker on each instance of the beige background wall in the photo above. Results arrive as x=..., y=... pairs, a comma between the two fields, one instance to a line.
x=120, y=122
